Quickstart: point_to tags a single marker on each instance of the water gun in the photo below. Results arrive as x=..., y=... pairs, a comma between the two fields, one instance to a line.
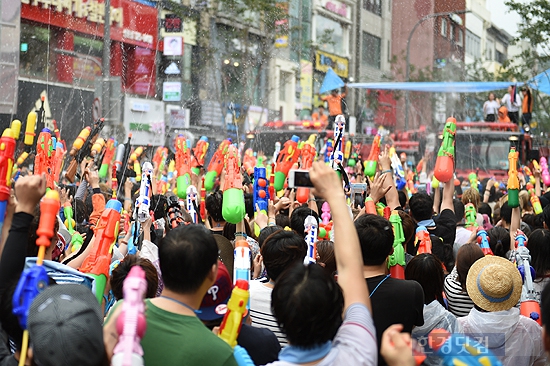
x=372, y=161
x=411, y=188
x=398, y=171
x=260, y=194
x=325, y=213
x=29, y=129
x=337, y=156
x=459, y=349
x=285, y=160
x=199, y=154
x=114, y=182
x=43, y=161
x=310, y=226
x=535, y=201
x=241, y=261
x=183, y=165
x=396, y=261
x=249, y=162
x=16, y=128
x=233, y=208
x=271, y=174
x=513, y=181
x=35, y=279
x=327, y=150
x=422, y=240
x=483, y=241
x=216, y=165
x=131, y=323
x=471, y=216
x=123, y=171
x=136, y=154
x=544, y=171
x=7, y=152
x=370, y=207
x=76, y=238
x=81, y=149
x=110, y=149
x=97, y=147
x=171, y=169
x=174, y=215
x=58, y=160
x=191, y=204
x=143, y=202
x=21, y=159
x=159, y=158
x=474, y=183
x=99, y=259
x=445, y=162
x=203, y=201
x=528, y=174
x=277, y=150
x=308, y=155
x=119, y=157
x=529, y=306
x=347, y=150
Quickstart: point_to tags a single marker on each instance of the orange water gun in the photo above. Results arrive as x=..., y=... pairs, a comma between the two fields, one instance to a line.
x=535, y=201
x=513, y=181
x=183, y=166
x=216, y=165
x=308, y=155
x=287, y=157
x=159, y=159
x=233, y=208
x=45, y=154
x=372, y=161
x=422, y=240
x=7, y=152
x=110, y=149
x=445, y=162
x=199, y=153
x=249, y=162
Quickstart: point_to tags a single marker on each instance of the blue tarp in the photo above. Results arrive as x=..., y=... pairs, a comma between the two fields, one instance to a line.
x=541, y=82
x=331, y=82
x=438, y=87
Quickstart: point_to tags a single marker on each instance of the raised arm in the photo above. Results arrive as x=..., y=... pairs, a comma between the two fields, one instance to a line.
x=514, y=226
x=448, y=192
x=346, y=242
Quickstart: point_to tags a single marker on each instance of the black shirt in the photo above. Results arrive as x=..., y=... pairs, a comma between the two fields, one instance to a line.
x=445, y=228
x=261, y=344
x=395, y=302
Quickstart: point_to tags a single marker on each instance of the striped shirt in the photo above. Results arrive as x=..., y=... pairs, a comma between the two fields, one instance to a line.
x=459, y=302
x=260, y=309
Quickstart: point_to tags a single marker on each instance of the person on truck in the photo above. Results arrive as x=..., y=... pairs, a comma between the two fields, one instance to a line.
x=490, y=108
x=320, y=116
x=512, y=101
x=334, y=100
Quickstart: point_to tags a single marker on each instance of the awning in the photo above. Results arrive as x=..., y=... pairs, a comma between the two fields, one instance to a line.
x=541, y=82
x=439, y=87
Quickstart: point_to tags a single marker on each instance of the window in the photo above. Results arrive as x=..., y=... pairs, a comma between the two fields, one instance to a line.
x=328, y=28
x=33, y=57
x=473, y=45
x=371, y=50
x=374, y=6
x=452, y=35
x=459, y=37
x=284, y=77
x=389, y=51
x=489, y=50
x=444, y=26
x=500, y=57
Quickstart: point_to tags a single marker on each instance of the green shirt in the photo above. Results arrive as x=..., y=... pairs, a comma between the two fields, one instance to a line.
x=175, y=339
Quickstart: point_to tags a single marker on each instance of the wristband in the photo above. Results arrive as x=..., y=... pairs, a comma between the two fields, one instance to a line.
x=240, y=233
x=386, y=171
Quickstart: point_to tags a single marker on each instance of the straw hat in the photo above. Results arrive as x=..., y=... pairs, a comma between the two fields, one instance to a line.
x=494, y=283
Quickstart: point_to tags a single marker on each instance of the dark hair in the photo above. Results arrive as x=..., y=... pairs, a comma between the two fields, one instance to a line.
x=546, y=216
x=402, y=198
x=409, y=226
x=80, y=211
x=545, y=307
x=9, y=321
x=443, y=251
x=459, y=210
x=229, y=230
x=499, y=240
x=506, y=212
x=186, y=255
x=213, y=204
x=467, y=255
x=249, y=205
x=266, y=232
x=325, y=252
x=280, y=250
x=32, y=248
x=376, y=238
x=427, y=270
x=485, y=209
x=308, y=305
x=539, y=248
x=282, y=220
x=297, y=219
x=534, y=221
x=421, y=206
x=119, y=275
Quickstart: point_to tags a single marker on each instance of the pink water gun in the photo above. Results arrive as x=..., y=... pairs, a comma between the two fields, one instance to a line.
x=544, y=171
x=131, y=322
x=325, y=216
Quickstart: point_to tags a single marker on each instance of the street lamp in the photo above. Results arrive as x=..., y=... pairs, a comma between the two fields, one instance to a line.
x=407, y=70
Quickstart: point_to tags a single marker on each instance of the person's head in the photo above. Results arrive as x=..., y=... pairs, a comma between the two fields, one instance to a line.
x=421, y=206
x=511, y=89
x=308, y=305
x=459, y=210
x=427, y=270
x=229, y=230
x=408, y=224
x=491, y=96
x=466, y=256
x=55, y=244
x=265, y=232
x=443, y=251
x=534, y=221
x=545, y=316
x=188, y=257
x=334, y=92
x=121, y=271
x=402, y=198
x=376, y=239
x=321, y=109
x=325, y=256
x=282, y=220
x=471, y=195
x=213, y=204
x=297, y=219
x=524, y=202
x=281, y=250
x=494, y=284
x=485, y=209
x=249, y=205
x=499, y=240
x=65, y=326
x=212, y=310
x=539, y=248
x=506, y=213
x=546, y=216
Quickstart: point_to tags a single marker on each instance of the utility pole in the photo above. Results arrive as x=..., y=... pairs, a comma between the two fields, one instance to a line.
x=106, y=62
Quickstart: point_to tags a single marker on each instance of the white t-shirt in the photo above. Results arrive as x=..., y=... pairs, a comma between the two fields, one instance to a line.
x=260, y=309
x=512, y=107
x=491, y=107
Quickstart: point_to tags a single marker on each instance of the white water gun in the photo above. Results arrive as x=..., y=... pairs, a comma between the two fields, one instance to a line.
x=310, y=226
x=143, y=200
x=191, y=203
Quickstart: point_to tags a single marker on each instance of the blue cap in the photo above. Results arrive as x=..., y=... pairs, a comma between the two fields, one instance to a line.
x=204, y=138
x=114, y=204
x=295, y=138
x=46, y=130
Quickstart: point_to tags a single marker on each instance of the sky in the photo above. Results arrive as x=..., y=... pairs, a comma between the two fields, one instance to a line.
x=502, y=18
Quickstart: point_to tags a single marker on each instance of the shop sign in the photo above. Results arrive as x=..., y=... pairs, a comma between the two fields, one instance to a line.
x=171, y=91
x=337, y=7
x=144, y=118
x=324, y=60
x=91, y=10
x=306, y=82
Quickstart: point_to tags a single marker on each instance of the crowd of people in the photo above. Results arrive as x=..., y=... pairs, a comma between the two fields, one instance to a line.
x=344, y=309
x=508, y=108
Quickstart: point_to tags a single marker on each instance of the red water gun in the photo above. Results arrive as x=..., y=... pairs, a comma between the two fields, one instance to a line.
x=110, y=149
x=249, y=162
x=233, y=208
x=43, y=162
x=7, y=154
x=99, y=259
x=199, y=152
x=183, y=166
x=372, y=161
x=49, y=208
x=308, y=154
x=216, y=165
x=422, y=240
x=58, y=160
x=285, y=160
x=445, y=163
